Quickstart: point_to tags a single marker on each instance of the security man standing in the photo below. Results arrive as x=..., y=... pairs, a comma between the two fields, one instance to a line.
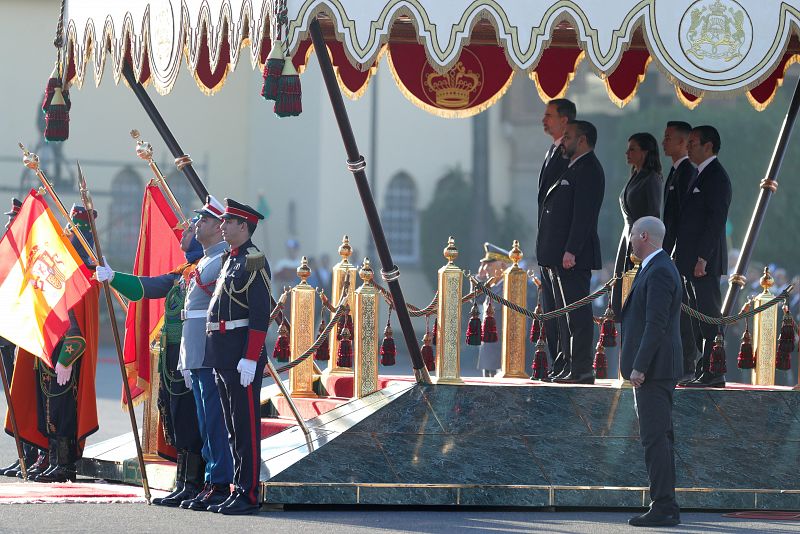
x=238, y=317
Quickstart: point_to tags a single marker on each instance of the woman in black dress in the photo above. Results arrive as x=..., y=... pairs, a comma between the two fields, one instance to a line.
x=640, y=197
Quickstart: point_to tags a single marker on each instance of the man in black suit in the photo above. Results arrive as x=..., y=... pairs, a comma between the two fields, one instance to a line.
x=568, y=246
x=701, y=252
x=556, y=116
x=653, y=360
x=676, y=146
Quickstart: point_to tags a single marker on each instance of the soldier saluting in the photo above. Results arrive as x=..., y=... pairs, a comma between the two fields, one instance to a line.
x=238, y=316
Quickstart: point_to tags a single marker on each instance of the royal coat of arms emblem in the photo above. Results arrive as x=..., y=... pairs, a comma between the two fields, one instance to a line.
x=716, y=35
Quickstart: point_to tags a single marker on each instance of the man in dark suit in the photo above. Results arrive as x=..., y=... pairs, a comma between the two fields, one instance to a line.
x=701, y=252
x=556, y=116
x=568, y=247
x=652, y=359
x=676, y=146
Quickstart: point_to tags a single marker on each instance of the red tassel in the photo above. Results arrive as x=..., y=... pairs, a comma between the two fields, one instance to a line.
x=474, y=327
x=539, y=366
x=746, y=359
x=346, y=321
x=427, y=352
x=783, y=356
x=289, y=100
x=49, y=92
x=388, y=349
x=716, y=364
x=344, y=357
x=323, y=351
x=536, y=325
x=272, y=71
x=608, y=330
x=489, y=331
x=57, y=116
x=282, y=352
x=600, y=364
x=435, y=331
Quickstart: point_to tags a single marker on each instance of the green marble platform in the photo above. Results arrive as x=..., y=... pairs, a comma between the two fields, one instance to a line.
x=538, y=446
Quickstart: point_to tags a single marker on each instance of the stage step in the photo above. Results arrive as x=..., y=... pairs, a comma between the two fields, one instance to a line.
x=272, y=425
x=308, y=407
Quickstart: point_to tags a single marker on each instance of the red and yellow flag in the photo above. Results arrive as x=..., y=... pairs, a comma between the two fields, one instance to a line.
x=157, y=252
x=41, y=278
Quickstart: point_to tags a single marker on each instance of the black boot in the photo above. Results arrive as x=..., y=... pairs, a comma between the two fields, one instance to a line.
x=63, y=454
x=29, y=454
x=180, y=480
x=41, y=464
x=194, y=473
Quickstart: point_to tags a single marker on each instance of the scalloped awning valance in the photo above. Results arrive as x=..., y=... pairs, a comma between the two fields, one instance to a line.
x=452, y=57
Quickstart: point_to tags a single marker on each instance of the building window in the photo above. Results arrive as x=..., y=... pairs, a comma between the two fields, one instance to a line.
x=400, y=218
x=122, y=226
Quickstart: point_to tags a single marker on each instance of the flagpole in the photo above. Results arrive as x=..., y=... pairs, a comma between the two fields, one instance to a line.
x=7, y=391
x=31, y=160
x=87, y=203
x=145, y=151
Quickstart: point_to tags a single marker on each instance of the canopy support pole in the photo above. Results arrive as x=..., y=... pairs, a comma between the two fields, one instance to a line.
x=182, y=160
x=768, y=186
x=356, y=164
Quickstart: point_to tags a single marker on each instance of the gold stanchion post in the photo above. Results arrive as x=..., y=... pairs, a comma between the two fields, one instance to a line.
x=627, y=283
x=301, y=378
x=448, y=336
x=365, y=324
x=341, y=271
x=515, y=325
x=765, y=331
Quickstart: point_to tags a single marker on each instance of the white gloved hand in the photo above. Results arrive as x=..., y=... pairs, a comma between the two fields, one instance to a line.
x=247, y=371
x=104, y=273
x=63, y=373
x=187, y=378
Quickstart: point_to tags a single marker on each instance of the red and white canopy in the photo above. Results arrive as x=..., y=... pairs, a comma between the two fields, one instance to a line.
x=452, y=57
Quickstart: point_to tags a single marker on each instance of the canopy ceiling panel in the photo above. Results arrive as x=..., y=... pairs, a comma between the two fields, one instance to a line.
x=704, y=47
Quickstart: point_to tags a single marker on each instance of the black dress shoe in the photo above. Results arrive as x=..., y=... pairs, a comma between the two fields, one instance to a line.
x=216, y=495
x=240, y=506
x=687, y=378
x=217, y=507
x=706, y=380
x=10, y=470
x=41, y=465
x=654, y=519
x=585, y=378
x=185, y=503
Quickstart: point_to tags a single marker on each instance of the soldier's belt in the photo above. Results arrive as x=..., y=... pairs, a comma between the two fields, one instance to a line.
x=193, y=314
x=224, y=326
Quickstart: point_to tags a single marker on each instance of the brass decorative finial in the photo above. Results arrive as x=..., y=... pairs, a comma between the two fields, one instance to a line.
x=516, y=253
x=303, y=271
x=345, y=250
x=450, y=251
x=766, y=280
x=29, y=159
x=143, y=149
x=366, y=273
x=636, y=260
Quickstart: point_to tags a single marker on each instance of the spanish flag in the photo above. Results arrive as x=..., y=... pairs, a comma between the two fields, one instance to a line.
x=41, y=278
x=158, y=252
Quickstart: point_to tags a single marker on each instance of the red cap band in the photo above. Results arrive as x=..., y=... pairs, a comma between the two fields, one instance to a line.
x=236, y=212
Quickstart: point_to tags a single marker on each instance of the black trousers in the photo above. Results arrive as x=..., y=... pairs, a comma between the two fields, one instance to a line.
x=706, y=297
x=653, y=403
x=176, y=405
x=688, y=334
x=57, y=406
x=551, y=326
x=241, y=408
x=575, y=329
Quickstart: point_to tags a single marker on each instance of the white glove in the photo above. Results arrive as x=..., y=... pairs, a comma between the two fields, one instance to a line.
x=187, y=378
x=63, y=373
x=247, y=371
x=104, y=273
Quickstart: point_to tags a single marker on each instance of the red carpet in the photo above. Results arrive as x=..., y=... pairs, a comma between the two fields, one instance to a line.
x=78, y=492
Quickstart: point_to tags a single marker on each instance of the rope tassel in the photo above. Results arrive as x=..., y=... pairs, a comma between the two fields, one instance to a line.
x=539, y=366
x=783, y=359
x=716, y=363
x=489, y=330
x=344, y=357
x=746, y=359
x=608, y=330
x=474, y=327
x=427, y=352
x=289, y=101
x=600, y=364
x=322, y=354
x=282, y=351
x=272, y=71
x=388, y=349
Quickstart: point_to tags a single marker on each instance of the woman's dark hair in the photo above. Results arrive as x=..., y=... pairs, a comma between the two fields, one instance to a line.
x=648, y=143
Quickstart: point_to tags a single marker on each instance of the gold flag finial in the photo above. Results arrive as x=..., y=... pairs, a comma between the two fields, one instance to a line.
x=345, y=250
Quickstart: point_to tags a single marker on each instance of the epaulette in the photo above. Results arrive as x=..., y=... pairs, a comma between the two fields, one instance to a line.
x=255, y=260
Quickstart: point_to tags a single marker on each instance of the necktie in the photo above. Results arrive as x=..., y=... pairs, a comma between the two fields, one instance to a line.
x=549, y=155
x=692, y=180
x=669, y=177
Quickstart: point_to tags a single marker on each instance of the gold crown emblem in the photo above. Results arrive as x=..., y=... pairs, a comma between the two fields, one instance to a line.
x=453, y=89
x=717, y=8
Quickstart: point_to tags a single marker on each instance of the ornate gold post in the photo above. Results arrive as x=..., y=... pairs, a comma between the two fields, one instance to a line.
x=150, y=411
x=365, y=341
x=627, y=283
x=515, y=326
x=448, y=338
x=301, y=378
x=765, y=328
x=340, y=271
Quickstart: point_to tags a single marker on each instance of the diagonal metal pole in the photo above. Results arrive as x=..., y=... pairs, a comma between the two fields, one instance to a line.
x=768, y=185
x=356, y=164
x=87, y=202
x=182, y=160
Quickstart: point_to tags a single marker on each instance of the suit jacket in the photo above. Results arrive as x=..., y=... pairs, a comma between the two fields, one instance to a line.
x=674, y=193
x=549, y=174
x=701, y=225
x=568, y=222
x=651, y=335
